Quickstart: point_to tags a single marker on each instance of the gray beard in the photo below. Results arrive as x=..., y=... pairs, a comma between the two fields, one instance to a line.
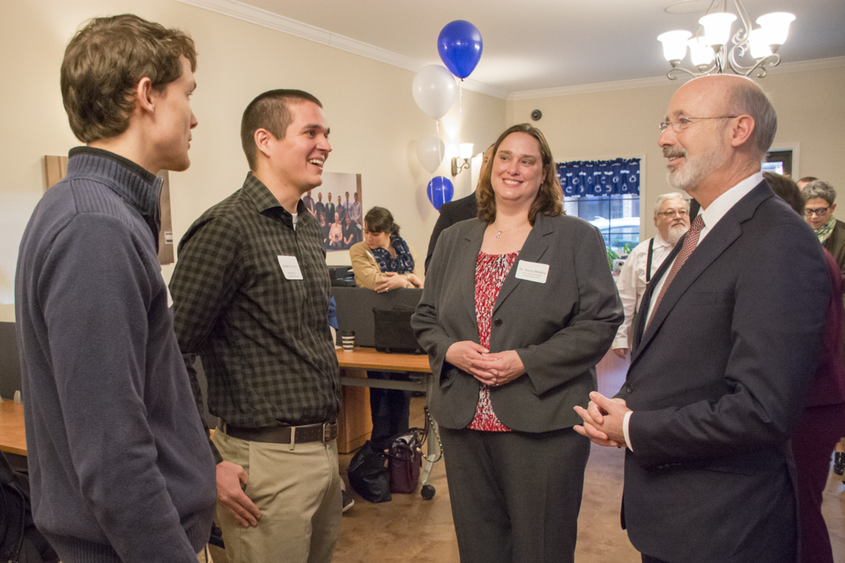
x=675, y=234
x=697, y=168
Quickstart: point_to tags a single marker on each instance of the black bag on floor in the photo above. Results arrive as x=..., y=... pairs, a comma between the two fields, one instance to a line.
x=20, y=541
x=368, y=475
x=404, y=459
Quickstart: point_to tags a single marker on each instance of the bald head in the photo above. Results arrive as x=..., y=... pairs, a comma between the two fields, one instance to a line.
x=719, y=129
x=731, y=95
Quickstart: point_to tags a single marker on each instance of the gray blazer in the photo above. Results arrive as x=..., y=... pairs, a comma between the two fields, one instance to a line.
x=560, y=328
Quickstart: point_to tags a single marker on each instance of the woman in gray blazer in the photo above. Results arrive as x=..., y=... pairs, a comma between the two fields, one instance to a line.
x=518, y=307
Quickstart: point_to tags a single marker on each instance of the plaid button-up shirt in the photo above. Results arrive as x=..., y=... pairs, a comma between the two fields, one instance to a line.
x=264, y=339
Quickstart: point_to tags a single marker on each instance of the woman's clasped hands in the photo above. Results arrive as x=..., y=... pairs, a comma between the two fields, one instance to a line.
x=493, y=369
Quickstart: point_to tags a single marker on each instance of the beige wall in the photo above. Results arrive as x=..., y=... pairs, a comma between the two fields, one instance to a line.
x=374, y=120
x=623, y=123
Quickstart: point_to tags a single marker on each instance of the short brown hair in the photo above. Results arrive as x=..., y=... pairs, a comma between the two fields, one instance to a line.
x=549, y=200
x=269, y=111
x=103, y=64
x=787, y=190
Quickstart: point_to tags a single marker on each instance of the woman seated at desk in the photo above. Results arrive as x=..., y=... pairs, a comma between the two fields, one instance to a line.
x=381, y=262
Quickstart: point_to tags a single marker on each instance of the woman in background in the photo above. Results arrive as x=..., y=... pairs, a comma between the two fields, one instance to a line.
x=381, y=262
x=350, y=232
x=518, y=308
x=336, y=234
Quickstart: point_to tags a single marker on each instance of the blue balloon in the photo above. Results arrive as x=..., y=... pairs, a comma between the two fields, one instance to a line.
x=459, y=45
x=440, y=190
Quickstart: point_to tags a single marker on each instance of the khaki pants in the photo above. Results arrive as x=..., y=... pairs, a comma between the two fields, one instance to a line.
x=204, y=556
x=298, y=494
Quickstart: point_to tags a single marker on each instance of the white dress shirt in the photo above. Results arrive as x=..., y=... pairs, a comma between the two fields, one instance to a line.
x=632, y=282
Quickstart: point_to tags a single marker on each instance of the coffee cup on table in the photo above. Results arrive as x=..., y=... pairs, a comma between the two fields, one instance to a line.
x=347, y=338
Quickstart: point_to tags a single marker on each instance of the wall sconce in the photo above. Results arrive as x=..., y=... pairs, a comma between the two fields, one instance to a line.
x=465, y=150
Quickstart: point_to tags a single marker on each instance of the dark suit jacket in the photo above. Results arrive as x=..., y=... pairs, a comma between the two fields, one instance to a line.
x=717, y=383
x=451, y=213
x=835, y=244
x=560, y=329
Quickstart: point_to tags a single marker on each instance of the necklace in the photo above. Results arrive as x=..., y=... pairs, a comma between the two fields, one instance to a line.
x=499, y=231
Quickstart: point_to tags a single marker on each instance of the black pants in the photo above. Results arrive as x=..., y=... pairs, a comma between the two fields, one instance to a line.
x=389, y=408
x=515, y=495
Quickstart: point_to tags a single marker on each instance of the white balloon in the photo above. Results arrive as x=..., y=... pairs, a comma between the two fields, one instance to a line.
x=430, y=151
x=434, y=90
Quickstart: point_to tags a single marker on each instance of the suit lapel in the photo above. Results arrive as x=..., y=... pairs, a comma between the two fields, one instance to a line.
x=464, y=269
x=718, y=239
x=532, y=251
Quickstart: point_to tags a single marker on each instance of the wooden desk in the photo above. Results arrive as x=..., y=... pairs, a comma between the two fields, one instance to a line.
x=12, y=433
x=369, y=358
x=355, y=426
x=354, y=420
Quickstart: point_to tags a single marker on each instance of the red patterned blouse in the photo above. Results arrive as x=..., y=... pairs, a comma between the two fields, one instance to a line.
x=490, y=273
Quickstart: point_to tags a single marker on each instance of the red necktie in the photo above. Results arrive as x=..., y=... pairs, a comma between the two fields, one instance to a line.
x=690, y=242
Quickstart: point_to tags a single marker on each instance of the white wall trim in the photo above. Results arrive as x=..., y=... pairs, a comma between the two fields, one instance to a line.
x=257, y=16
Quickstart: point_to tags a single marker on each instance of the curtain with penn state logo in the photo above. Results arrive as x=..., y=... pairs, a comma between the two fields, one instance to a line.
x=596, y=178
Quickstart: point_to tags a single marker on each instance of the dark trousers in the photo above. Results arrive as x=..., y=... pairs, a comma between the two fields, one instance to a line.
x=650, y=559
x=817, y=433
x=389, y=408
x=515, y=495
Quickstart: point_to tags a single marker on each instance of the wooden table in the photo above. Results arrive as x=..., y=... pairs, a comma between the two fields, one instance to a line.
x=355, y=424
x=12, y=433
x=355, y=421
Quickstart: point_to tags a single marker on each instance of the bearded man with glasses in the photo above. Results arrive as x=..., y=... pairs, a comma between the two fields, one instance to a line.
x=724, y=351
x=672, y=219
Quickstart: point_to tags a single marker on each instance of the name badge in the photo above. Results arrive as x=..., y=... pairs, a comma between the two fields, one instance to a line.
x=290, y=267
x=532, y=271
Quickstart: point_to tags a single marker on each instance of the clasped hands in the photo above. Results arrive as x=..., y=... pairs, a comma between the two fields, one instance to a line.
x=603, y=419
x=392, y=280
x=493, y=369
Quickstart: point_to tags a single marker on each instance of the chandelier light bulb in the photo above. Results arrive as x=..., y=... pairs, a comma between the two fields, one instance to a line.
x=674, y=44
x=717, y=27
x=465, y=150
x=701, y=54
x=759, y=44
x=776, y=26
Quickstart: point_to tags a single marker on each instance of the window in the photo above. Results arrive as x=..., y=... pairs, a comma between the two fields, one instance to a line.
x=607, y=194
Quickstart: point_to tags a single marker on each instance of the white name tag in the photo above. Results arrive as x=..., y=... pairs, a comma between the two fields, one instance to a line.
x=290, y=267
x=532, y=271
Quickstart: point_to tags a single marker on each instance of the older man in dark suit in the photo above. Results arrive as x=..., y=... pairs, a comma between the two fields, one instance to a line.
x=725, y=351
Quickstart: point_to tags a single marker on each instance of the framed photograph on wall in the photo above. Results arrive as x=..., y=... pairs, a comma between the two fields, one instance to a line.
x=337, y=206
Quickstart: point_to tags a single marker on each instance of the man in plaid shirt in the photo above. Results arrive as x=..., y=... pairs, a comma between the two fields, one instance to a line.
x=251, y=293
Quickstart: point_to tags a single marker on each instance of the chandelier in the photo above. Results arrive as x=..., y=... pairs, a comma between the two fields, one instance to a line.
x=710, y=50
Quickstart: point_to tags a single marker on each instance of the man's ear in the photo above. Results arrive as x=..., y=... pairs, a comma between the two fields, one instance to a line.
x=742, y=130
x=263, y=139
x=144, y=95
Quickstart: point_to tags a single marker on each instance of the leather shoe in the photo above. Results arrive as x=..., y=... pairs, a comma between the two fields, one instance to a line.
x=839, y=463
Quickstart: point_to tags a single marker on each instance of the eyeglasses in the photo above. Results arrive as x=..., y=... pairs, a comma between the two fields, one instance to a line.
x=672, y=212
x=820, y=211
x=684, y=122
